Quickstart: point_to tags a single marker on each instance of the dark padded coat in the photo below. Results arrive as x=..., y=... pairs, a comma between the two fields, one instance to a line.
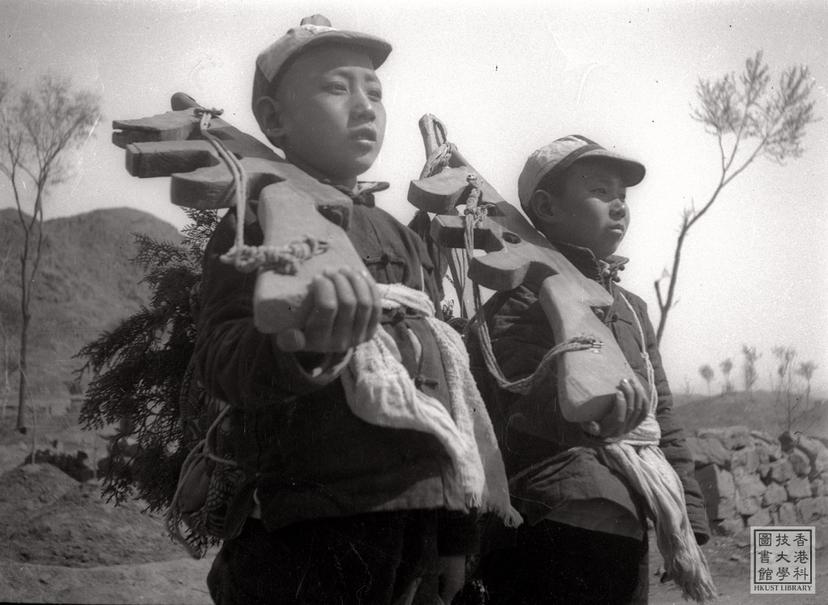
x=552, y=464
x=306, y=455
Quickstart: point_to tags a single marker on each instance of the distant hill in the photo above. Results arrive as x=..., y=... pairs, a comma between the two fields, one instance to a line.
x=86, y=284
x=758, y=410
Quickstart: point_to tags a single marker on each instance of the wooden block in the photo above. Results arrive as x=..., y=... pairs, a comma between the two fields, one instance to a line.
x=183, y=125
x=170, y=126
x=154, y=159
x=280, y=301
x=200, y=179
x=590, y=377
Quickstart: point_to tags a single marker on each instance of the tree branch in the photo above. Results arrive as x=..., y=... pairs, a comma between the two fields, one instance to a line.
x=776, y=117
x=38, y=129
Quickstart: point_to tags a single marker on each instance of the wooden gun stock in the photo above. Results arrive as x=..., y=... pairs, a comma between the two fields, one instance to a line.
x=587, y=379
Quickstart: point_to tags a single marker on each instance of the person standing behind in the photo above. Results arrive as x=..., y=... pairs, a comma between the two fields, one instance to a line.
x=585, y=536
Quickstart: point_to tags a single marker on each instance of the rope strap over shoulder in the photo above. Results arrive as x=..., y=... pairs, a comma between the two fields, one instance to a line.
x=233, y=164
x=284, y=259
x=524, y=385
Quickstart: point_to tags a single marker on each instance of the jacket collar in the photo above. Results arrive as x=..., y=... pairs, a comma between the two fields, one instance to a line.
x=604, y=271
x=363, y=193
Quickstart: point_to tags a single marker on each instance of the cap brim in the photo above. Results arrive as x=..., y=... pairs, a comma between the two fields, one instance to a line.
x=377, y=48
x=632, y=172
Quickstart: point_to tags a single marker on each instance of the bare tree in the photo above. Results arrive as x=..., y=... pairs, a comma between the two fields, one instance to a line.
x=750, y=117
x=4, y=389
x=5, y=362
x=707, y=373
x=786, y=397
x=38, y=128
x=726, y=367
x=751, y=375
x=785, y=357
x=806, y=370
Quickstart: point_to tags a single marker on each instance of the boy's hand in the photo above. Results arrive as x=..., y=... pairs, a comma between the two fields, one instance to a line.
x=345, y=312
x=628, y=411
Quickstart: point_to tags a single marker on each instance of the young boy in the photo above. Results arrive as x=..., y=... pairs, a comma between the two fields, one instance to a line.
x=334, y=509
x=584, y=540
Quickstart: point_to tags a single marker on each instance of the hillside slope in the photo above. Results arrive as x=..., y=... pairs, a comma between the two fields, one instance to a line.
x=86, y=284
x=759, y=410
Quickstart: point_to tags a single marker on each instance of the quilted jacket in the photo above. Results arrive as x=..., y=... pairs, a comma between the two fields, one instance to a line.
x=555, y=469
x=305, y=454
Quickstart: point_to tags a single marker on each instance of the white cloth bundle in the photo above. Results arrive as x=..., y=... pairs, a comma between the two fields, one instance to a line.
x=380, y=392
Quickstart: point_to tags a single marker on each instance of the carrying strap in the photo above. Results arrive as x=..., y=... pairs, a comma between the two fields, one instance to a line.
x=281, y=259
x=234, y=165
x=524, y=385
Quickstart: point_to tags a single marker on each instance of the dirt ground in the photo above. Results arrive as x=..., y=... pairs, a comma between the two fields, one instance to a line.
x=177, y=581
x=61, y=543
x=181, y=581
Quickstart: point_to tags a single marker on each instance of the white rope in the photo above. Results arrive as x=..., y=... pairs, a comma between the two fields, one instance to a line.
x=238, y=186
x=523, y=385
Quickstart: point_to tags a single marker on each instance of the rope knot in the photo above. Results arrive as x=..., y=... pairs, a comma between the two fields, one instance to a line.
x=206, y=116
x=284, y=260
x=579, y=343
x=396, y=315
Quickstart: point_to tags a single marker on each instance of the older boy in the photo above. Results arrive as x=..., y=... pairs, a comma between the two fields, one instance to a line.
x=585, y=538
x=334, y=509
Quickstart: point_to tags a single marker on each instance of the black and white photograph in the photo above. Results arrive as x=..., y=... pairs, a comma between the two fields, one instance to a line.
x=413, y=303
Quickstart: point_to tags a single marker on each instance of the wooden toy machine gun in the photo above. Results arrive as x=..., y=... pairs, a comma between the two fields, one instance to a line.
x=214, y=165
x=589, y=373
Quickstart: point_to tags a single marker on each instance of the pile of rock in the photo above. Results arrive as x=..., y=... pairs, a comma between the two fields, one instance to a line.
x=79, y=457
x=749, y=478
x=76, y=465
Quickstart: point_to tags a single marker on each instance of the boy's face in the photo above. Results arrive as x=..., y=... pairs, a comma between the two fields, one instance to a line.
x=592, y=211
x=330, y=112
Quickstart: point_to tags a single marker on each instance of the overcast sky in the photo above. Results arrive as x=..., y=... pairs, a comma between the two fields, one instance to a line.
x=506, y=78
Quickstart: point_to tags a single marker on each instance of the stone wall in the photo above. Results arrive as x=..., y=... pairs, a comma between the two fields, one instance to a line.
x=750, y=478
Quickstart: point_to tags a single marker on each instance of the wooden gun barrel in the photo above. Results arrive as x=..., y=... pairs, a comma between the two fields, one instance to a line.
x=587, y=379
x=291, y=206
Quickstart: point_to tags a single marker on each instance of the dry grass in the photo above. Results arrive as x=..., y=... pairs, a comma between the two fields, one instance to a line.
x=760, y=410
